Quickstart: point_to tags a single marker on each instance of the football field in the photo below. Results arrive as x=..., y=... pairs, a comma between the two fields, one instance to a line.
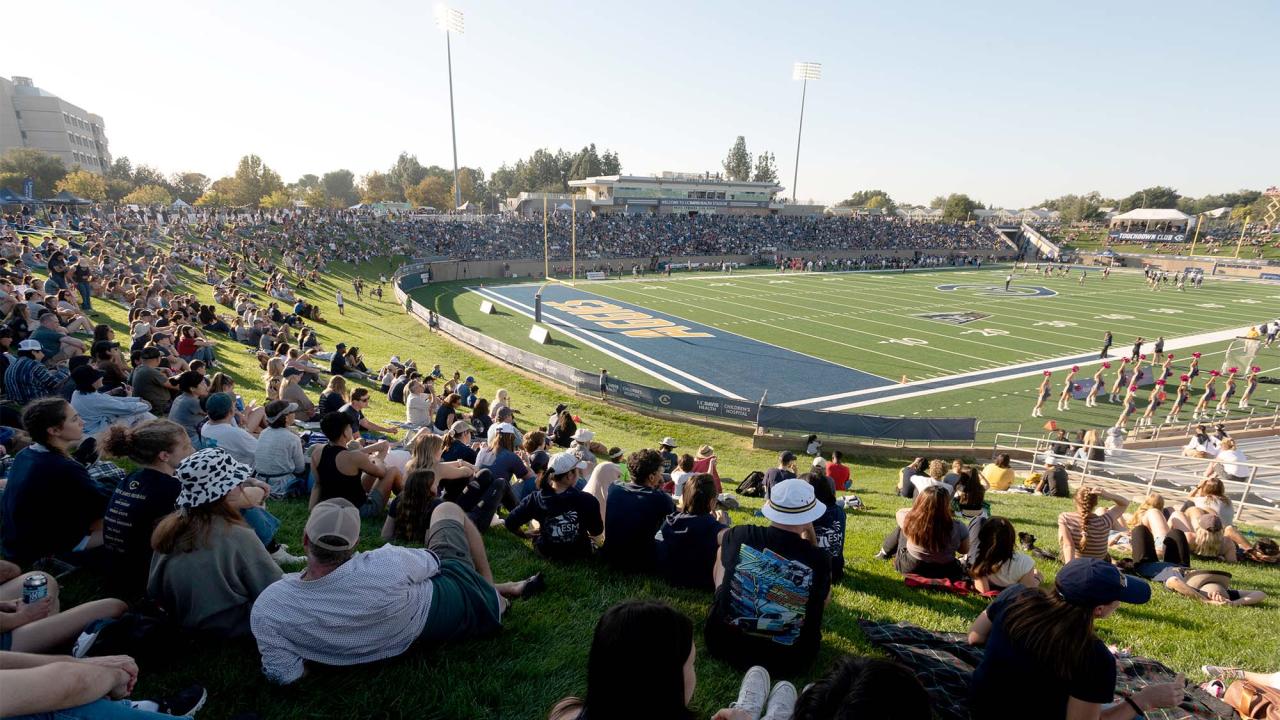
x=840, y=341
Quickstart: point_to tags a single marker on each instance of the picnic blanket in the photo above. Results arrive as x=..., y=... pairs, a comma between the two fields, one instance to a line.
x=944, y=661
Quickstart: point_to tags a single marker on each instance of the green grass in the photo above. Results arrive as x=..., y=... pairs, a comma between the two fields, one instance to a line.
x=1095, y=240
x=541, y=654
x=863, y=320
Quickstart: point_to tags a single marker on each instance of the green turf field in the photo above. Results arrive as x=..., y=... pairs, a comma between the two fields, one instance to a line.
x=877, y=323
x=541, y=654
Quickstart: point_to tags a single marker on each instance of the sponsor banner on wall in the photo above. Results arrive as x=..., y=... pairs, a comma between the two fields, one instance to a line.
x=673, y=399
x=1150, y=237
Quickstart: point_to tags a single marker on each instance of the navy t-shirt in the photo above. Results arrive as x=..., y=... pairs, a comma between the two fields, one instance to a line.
x=632, y=518
x=830, y=533
x=566, y=521
x=330, y=402
x=47, y=506
x=506, y=465
x=442, y=417
x=1009, y=679
x=458, y=451
x=768, y=611
x=687, y=553
x=138, y=503
x=773, y=476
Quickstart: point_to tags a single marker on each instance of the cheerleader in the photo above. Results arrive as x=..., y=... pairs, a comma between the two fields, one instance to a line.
x=1210, y=394
x=1138, y=372
x=1229, y=391
x=1194, y=370
x=1250, y=384
x=1064, y=398
x=1130, y=404
x=1091, y=400
x=1042, y=395
x=1180, y=397
x=1153, y=404
x=1121, y=381
x=1166, y=369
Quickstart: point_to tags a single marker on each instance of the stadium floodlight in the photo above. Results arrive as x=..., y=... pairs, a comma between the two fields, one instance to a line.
x=803, y=71
x=450, y=21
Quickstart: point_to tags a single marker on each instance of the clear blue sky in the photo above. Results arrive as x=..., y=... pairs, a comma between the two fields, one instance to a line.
x=1008, y=101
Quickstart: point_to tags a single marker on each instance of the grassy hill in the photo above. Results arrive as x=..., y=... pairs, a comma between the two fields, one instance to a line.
x=541, y=654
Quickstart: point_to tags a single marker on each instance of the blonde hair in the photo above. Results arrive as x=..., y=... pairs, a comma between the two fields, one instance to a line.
x=1153, y=501
x=937, y=469
x=338, y=384
x=426, y=448
x=273, y=379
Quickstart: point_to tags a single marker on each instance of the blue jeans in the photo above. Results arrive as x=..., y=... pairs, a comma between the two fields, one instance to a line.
x=99, y=710
x=264, y=524
x=85, y=294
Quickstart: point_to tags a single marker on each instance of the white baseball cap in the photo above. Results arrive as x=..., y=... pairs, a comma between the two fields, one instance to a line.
x=584, y=435
x=506, y=428
x=30, y=345
x=562, y=463
x=791, y=502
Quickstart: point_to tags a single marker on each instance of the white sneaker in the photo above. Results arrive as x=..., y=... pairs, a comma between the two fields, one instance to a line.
x=282, y=556
x=753, y=693
x=782, y=702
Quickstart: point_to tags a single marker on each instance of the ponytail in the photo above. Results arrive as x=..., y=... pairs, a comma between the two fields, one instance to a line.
x=144, y=442
x=1086, y=501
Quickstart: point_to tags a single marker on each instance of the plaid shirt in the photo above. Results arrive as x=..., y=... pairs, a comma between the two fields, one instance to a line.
x=26, y=380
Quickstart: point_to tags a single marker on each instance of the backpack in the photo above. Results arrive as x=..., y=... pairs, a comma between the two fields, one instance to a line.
x=148, y=635
x=1252, y=701
x=752, y=485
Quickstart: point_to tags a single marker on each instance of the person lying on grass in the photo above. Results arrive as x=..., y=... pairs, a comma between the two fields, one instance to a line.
x=349, y=608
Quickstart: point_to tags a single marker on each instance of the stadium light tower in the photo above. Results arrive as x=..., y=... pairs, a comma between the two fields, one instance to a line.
x=804, y=71
x=450, y=21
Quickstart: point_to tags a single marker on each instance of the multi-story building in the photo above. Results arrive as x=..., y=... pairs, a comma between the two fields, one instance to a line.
x=34, y=118
x=674, y=192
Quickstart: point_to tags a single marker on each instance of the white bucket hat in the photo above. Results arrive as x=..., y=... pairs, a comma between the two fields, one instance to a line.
x=584, y=435
x=208, y=475
x=791, y=502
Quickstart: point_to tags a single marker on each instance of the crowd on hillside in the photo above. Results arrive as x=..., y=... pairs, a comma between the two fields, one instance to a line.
x=187, y=539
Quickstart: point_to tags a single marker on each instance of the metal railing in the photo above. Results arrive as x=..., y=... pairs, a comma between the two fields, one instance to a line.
x=1150, y=470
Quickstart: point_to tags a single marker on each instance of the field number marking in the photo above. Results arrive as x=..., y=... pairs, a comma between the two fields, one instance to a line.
x=1113, y=316
x=1210, y=305
x=986, y=332
x=1166, y=311
x=909, y=341
x=1057, y=323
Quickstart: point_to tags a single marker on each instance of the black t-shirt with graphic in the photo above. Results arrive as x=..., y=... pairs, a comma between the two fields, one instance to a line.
x=566, y=520
x=768, y=610
x=136, y=505
x=687, y=553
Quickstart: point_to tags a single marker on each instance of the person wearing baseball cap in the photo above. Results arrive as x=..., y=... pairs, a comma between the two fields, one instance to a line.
x=349, y=608
x=279, y=460
x=27, y=378
x=210, y=564
x=99, y=409
x=567, y=517
x=222, y=430
x=772, y=585
x=785, y=470
x=1042, y=651
x=634, y=513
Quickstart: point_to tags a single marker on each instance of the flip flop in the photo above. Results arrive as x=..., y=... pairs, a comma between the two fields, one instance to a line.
x=533, y=586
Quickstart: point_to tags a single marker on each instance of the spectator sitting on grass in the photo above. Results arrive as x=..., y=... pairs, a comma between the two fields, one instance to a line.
x=927, y=538
x=354, y=412
x=144, y=497
x=187, y=409
x=633, y=514
x=97, y=409
x=567, y=517
x=757, y=563
x=50, y=506
x=785, y=470
x=278, y=458
x=42, y=626
x=348, y=608
x=354, y=475
x=691, y=537
x=222, y=432
x=209, y=565
x=333, y=397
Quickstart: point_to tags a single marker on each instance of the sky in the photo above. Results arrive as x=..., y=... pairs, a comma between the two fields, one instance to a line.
x=1010, y=102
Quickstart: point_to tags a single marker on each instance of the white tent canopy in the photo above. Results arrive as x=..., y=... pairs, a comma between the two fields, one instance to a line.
x=1153, y=215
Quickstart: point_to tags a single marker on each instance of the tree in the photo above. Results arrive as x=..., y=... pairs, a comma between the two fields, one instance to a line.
x=45, y=170
x=766, y=168
x=376, y=187
x=146, y=175
x=958, y=206
x=149, y=195
x=253, y=181
x=406, y=173
x=610, y=163
x=213, y=198
x=870, y=199
x=471, y=185
x=121, y=169
x=82, y=183
x=306, y=182
x=431, y=192
x=189, y=186
x=340, y=187
x=1152, y=197
x=737, y=164
x=938, y=202
x=277, y=200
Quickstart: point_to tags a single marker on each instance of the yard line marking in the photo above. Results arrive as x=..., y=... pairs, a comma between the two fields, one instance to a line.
x=1174, y=344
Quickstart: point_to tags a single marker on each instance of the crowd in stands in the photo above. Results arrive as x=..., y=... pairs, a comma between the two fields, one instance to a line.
x=190, y=531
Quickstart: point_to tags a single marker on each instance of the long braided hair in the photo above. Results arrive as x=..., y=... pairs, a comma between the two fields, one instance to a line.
x=1086, y=501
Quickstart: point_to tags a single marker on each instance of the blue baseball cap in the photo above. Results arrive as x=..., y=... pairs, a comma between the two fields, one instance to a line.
x=1090, y=582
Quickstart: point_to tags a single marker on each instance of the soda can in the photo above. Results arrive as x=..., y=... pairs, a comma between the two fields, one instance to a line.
x=35, y=588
